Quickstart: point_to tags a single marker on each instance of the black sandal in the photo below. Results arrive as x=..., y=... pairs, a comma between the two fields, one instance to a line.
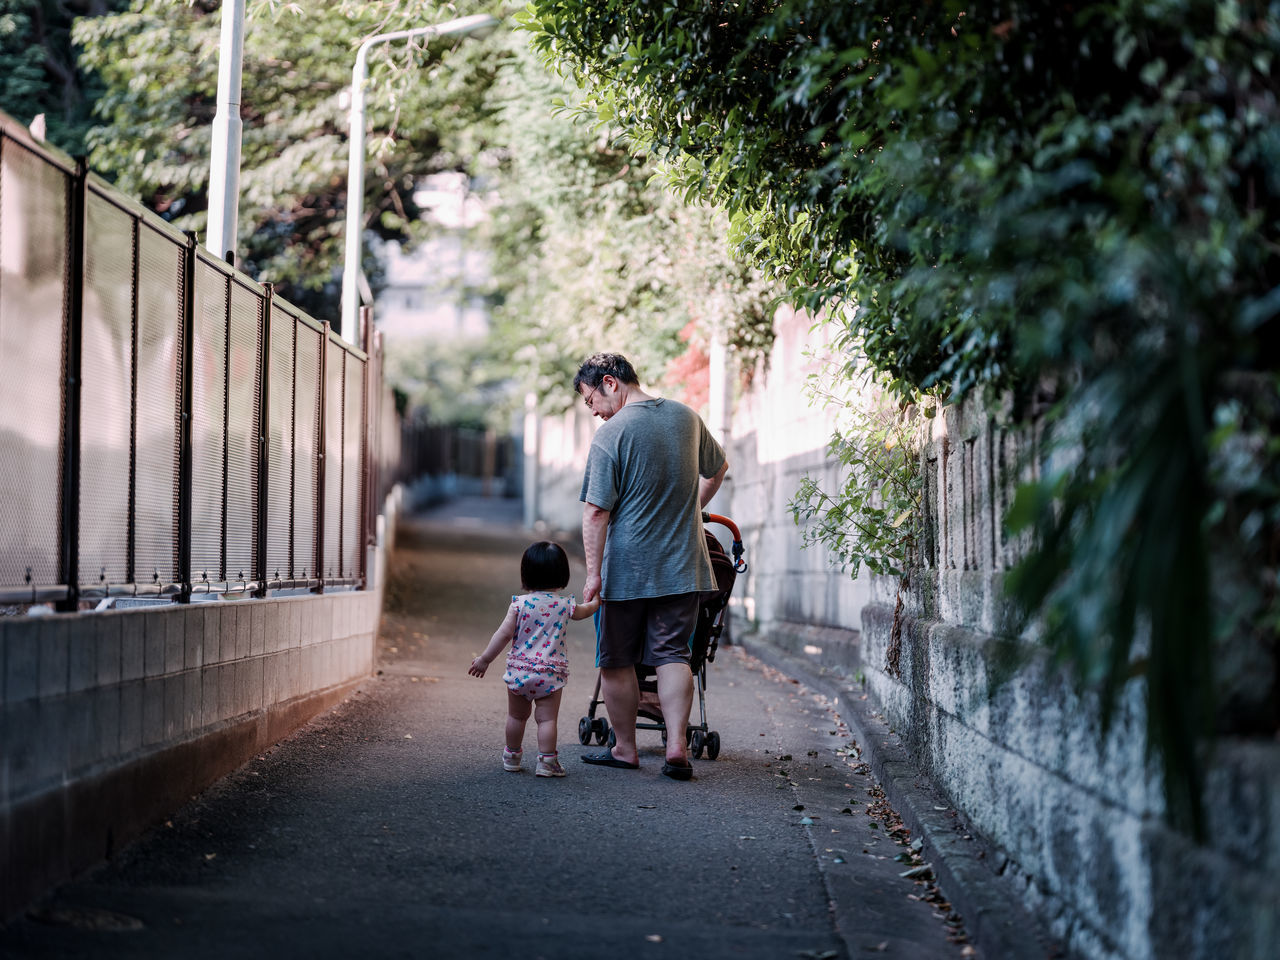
x=607, y=759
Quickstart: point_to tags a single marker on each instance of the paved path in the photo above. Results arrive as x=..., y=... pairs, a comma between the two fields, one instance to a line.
x=387, y=827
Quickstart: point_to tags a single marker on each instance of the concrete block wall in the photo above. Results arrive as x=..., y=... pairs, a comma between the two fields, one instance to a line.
x=1076, y=817
x=555, y=454
x=1075, y=821
x=110, y=720
x=793, y=595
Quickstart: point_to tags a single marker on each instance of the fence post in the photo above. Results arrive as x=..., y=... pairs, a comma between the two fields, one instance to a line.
x=70, y=553
x=184, y=424
x=131, y=544
x=264, y=446
x=320, y=457
x=368, y=514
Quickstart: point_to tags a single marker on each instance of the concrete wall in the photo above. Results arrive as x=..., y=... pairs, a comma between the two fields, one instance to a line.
x=110, y=720
x=793, y=595
x=1075, y=821
x=555, y=455
x=1079, y=817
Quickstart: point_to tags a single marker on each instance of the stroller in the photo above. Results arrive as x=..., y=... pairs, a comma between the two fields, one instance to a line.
x=706, y=637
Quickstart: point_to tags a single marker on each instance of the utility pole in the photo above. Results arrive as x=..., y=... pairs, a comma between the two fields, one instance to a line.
x=224, y=160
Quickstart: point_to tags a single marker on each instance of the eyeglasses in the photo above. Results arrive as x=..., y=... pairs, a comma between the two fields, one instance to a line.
x=590, y=396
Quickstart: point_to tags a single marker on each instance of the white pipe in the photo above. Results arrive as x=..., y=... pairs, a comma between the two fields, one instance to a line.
x=355, y=155
x=224, y=159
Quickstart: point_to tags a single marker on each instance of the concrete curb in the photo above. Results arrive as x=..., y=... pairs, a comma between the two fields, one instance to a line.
x=1000, y=927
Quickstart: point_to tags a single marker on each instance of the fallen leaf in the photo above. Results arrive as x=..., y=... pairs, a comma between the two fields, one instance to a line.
x=654, y=938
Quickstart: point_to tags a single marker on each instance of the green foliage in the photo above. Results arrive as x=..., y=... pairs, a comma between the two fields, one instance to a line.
x=38, y=71
x=462, y=382
x=159, y=64
x=593, y=254
x=589, y=252
x=1073, y=201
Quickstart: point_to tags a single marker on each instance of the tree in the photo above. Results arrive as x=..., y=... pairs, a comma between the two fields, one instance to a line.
x=158, y=62
x=594, y=254
x=1075, y=205
x=38, y=70
x=588, y=250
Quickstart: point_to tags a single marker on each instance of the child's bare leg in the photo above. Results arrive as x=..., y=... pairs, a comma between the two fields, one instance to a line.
x=545, y=711
x=518, y=709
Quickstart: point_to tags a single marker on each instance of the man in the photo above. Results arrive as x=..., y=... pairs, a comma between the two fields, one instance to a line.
x=651, y=469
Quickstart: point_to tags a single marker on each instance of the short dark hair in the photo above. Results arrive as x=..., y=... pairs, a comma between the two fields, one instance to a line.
x=544, y=566
x=600, y=365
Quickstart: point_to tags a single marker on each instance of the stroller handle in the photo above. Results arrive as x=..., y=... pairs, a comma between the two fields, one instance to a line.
x=739, y=565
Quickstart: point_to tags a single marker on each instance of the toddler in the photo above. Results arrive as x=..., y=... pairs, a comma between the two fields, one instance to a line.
x=537, y=664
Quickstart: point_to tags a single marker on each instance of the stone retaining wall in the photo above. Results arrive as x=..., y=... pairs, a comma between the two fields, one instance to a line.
x=1074, y=821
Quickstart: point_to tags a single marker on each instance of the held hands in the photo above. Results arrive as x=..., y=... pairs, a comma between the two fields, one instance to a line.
x=591, y=588
x=478, y=666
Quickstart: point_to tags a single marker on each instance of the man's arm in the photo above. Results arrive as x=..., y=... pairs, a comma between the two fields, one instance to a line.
x=595, y=528
x=707, y=486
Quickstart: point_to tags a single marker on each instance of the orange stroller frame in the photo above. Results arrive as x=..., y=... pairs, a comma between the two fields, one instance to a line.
x=706, y=638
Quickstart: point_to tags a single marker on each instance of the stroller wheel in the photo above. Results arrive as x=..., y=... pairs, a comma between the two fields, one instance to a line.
x=584, y=731
x=696, y=743
x=602, y=730
x=713, y=745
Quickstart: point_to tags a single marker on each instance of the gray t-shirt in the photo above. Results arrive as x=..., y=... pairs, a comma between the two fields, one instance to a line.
x=643, y=467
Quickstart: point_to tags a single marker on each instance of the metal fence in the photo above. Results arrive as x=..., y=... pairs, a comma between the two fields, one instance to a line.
x=437, y=450
x=168, y=426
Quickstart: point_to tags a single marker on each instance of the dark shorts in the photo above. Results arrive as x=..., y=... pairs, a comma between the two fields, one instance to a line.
x=653, y=631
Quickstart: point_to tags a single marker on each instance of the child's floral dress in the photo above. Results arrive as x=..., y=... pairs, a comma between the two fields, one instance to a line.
x=538, y=663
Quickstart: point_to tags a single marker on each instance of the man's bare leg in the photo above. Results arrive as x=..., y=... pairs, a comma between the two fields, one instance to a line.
x=621, y=693
x=675, y=693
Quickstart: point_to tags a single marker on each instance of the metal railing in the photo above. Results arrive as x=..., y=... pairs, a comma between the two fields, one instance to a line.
x=168, y=426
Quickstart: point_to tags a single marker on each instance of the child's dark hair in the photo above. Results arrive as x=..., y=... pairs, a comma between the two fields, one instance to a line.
x=544, y=566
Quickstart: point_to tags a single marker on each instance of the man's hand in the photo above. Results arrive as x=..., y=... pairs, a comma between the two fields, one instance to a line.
x=591, y=589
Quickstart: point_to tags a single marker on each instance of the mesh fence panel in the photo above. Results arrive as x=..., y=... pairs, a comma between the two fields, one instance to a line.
x=133, y=291
x=352, y=467
x=280, y=445
x=34, y=263
x=334, y=396
x=208, y=417
x=306, y=466
x=106, y=386
x=160, y=307
x=243, y=412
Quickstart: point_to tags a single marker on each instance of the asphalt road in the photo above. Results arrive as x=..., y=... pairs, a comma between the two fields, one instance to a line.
x=387, y=827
